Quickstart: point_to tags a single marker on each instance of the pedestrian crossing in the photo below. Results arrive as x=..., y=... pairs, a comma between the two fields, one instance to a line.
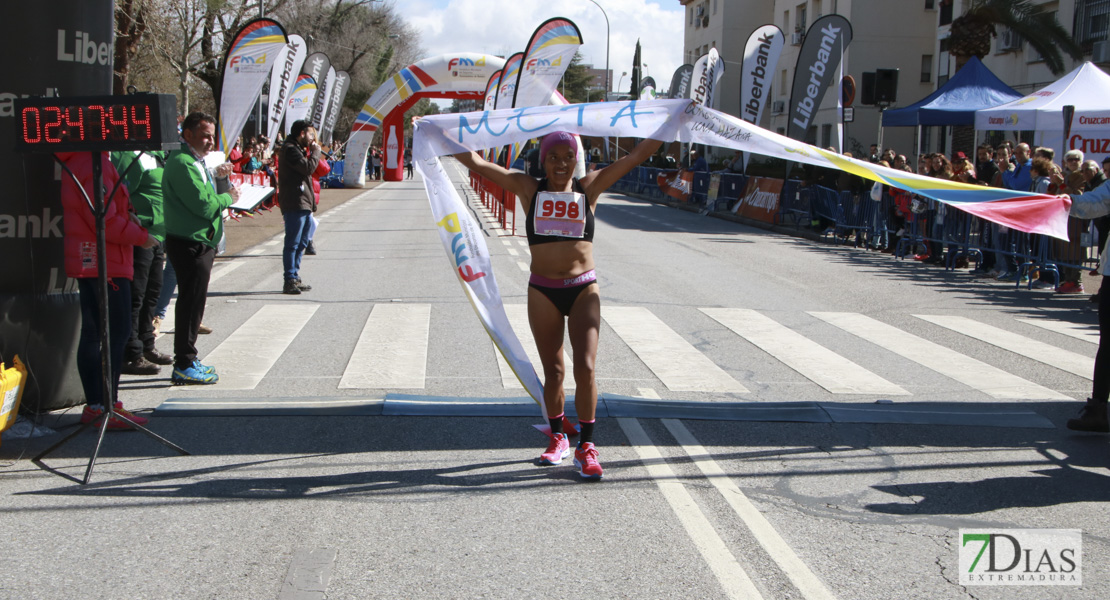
x=392, y=353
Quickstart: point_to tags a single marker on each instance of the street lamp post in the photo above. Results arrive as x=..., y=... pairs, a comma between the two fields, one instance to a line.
x=608, y=82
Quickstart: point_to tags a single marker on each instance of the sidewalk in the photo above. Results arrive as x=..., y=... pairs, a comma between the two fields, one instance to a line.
x=248, y=232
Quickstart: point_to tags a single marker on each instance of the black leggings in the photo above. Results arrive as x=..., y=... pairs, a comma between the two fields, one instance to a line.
x=1101, y=388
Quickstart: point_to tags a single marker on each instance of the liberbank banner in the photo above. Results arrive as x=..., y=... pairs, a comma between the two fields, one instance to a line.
x=289, y=61
x=818, y=59
x=680, y=82
x=247, y=65
x=708, y=70
x=761, y=57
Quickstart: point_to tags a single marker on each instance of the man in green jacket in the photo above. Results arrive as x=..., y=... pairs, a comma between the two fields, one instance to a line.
x=194, y=226
x=142, y=174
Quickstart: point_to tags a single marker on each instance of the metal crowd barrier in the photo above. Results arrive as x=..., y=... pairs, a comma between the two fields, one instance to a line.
x=497, y=200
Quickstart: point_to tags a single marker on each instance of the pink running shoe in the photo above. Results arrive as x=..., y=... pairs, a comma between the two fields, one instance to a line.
x=557, y=450
x=585, y=458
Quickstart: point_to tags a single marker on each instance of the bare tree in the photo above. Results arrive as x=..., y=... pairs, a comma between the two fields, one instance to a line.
x=131, y=23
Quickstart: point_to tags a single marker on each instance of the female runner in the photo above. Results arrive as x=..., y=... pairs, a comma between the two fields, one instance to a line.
x=563, y=286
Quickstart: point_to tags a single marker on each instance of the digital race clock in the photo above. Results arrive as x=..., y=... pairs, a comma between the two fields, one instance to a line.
x=96, y=123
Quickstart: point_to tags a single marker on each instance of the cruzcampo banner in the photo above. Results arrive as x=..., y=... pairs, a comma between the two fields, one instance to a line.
x=546, y=57
x=647, y=88
x=760, y=200
x=708, y=71
x=323, y=99
x=761, y=57
x=338, y=94
x=816, y=69
x=666, y=120
x=289, y=62
x=300, y=101
x=680, y=82
x=247, y=64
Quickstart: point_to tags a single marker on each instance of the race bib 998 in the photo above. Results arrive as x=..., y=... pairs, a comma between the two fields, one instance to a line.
x=560, y=214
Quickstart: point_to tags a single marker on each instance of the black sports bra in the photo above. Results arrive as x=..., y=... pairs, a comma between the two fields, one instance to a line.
x=559, y=214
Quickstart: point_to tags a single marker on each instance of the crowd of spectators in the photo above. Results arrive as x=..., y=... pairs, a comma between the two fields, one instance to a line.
x=1008, y=165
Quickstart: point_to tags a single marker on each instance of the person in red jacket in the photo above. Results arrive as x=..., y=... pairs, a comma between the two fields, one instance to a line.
x=322, y=170
x=122, y=233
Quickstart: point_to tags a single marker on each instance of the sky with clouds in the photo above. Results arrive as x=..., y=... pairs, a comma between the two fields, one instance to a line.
x=504, y=26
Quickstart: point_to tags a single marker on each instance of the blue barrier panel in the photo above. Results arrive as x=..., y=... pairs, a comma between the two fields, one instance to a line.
x=699, y=189
x=732, y=186
x=794, y=203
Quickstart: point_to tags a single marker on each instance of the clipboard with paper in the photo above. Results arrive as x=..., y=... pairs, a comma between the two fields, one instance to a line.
x=251, y=196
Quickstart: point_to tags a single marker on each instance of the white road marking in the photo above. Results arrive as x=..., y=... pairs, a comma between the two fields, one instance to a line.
x=975, y=374
x=648, y=393
x=1087, y=333
x=227, y=267
x=730, y=574
x=817, y=363
x=392, y=351
x=244, y=358
x=800, y=575
x=523, y=266
x=1077, y=364
x=680, y=366
x=308, y=575
x=514, y=252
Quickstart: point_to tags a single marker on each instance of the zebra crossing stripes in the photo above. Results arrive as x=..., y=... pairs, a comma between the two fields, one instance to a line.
x=978, y=375
x=1087, y=333
x=812, y=360
x=676, y=362
x=1077, y=364
x=392, y=351
x=244, y=358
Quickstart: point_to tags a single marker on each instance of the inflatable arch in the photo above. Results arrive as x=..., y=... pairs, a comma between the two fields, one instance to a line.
x=459, y=76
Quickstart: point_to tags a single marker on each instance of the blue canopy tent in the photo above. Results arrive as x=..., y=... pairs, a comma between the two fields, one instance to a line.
x=972, y=88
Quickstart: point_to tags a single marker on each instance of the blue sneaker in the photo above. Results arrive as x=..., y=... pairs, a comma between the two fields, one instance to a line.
x=203, y=368
x=193, y=376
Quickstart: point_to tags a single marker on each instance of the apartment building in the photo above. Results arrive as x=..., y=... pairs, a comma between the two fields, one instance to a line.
x=887, y=34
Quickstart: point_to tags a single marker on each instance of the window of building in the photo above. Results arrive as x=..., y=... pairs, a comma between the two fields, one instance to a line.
x=786, y=20
x=780, y=130
x=713, y=44
x=1092, y=20
x=826, y=135
x=690, y=9
x=946, y=13
x=782, y=80
x=714, y=6
x=926, y=68
x=801, y=13
x=930, y=4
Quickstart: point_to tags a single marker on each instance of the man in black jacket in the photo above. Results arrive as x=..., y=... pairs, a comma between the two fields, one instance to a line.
x=298, y=159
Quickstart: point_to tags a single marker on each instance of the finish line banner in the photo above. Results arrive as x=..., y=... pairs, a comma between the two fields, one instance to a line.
x=666, y=120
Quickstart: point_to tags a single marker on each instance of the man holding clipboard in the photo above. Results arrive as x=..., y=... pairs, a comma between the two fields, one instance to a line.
x=194, y=226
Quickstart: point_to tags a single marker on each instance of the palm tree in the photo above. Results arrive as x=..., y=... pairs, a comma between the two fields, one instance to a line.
x=971, y=32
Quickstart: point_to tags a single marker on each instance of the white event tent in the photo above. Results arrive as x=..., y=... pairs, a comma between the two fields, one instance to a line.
x=1087, y=88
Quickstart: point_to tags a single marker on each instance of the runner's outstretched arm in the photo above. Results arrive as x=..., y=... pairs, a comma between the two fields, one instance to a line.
x=598, y=181
x=516, y=182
